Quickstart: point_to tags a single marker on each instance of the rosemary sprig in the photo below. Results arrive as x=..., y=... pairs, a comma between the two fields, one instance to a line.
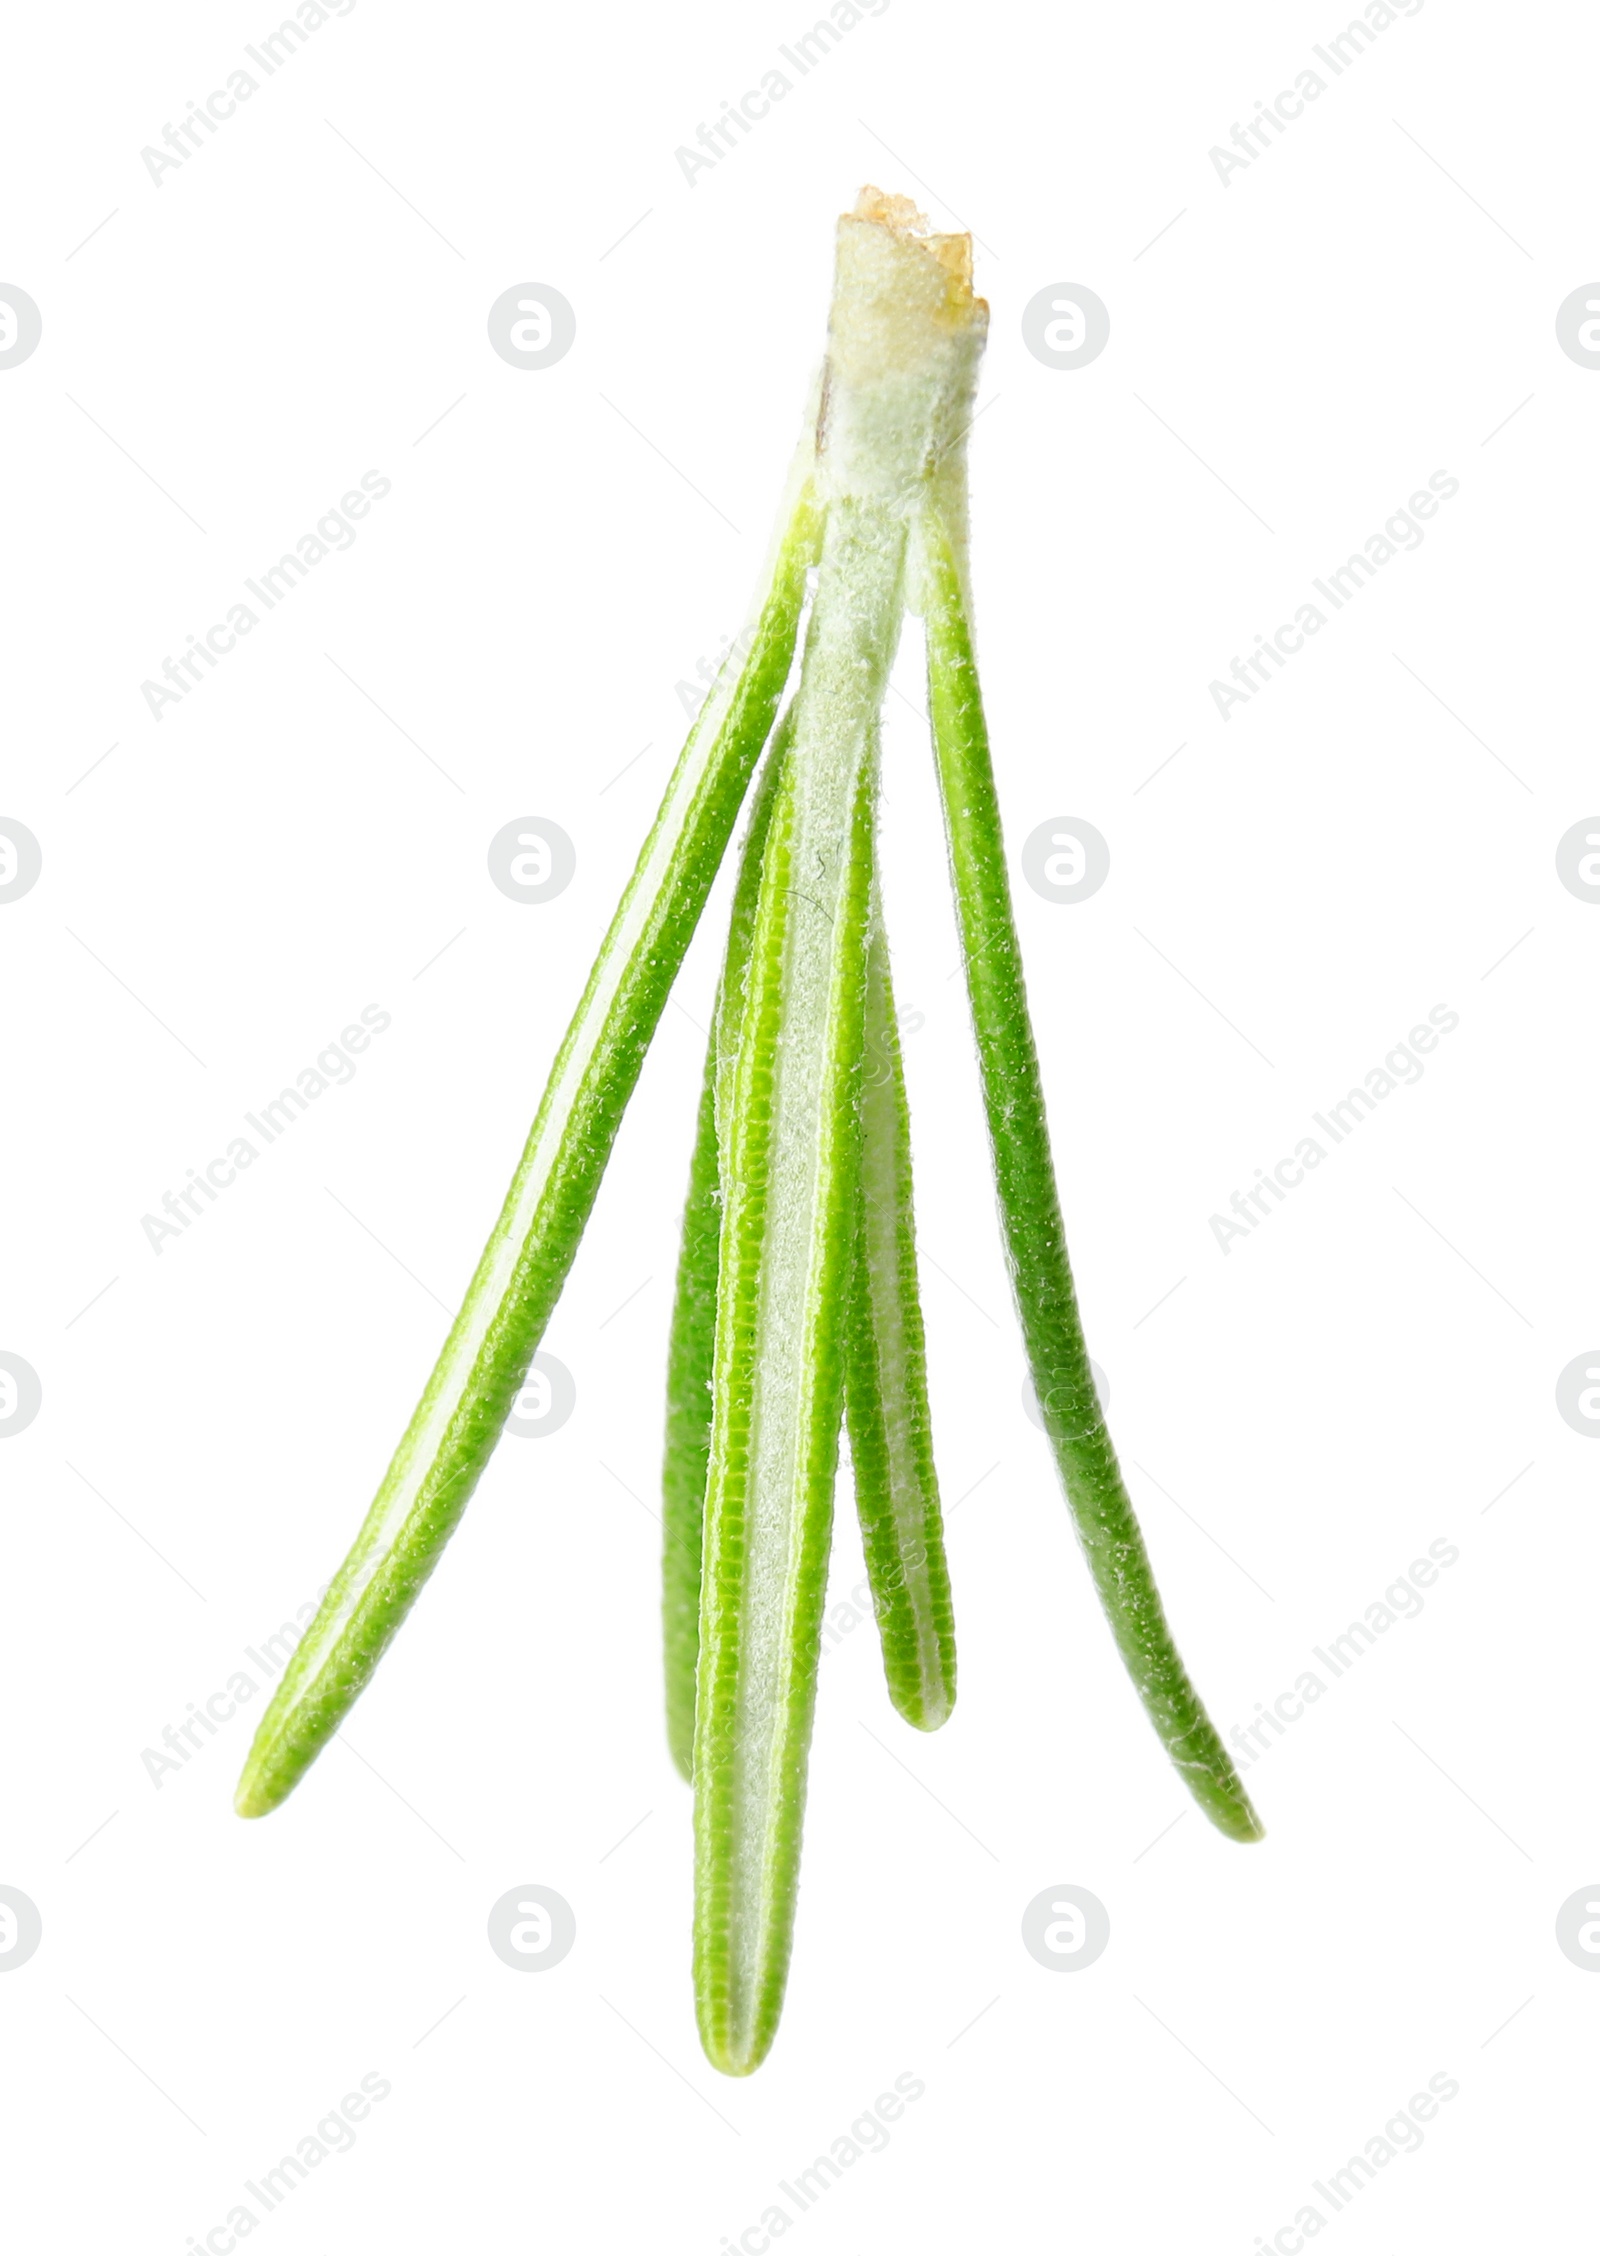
x=796, y=1302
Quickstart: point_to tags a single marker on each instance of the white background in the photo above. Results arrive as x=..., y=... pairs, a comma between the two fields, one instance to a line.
x=1301, y=1417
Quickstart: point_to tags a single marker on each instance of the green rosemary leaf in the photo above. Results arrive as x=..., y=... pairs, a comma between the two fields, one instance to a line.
x=891, y=1446
x=523, y=1267
x=1030, y=1210
x=692, y=1338
x=789, y=1175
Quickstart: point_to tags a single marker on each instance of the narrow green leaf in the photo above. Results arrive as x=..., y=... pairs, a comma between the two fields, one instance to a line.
x=1030, y=1210
x=519, y=1277
x=692, y=1340
x=688, y=1449
x=791, y=1144
x=891, y=1445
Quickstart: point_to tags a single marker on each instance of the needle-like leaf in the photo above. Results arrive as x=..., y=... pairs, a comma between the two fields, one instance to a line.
x=891, y=1445
x=519, y=1277
x=789, y=1180
x=905, y=333
x=692, y=1339
x=1030, y=1211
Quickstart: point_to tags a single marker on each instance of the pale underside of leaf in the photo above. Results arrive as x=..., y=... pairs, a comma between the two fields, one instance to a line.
x=791, y=1145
